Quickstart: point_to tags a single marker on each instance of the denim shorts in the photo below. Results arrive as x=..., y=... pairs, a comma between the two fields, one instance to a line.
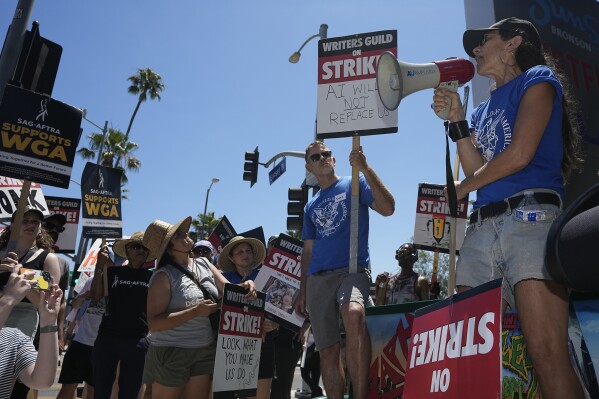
x=326, y=292
x=507, y=247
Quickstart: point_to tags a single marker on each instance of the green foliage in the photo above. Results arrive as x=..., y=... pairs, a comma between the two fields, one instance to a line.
x=114, y=145
x=210, y=223
x=424, y=267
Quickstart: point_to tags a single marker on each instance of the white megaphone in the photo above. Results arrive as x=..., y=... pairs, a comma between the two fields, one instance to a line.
x=397, y=79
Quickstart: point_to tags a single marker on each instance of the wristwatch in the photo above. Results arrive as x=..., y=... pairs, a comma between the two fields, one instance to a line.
x=49, y=329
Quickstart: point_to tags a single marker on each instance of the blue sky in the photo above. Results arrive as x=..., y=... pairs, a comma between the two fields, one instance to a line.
x=230, y=88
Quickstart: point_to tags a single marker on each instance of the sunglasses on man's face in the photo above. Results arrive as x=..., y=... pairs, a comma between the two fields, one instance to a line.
x=51, y=226
x=202, y=250
x=324, y=154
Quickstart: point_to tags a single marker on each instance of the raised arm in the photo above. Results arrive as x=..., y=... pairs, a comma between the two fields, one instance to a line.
x=384, y=203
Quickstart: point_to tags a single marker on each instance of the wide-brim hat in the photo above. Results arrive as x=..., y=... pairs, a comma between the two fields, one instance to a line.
x=120, y=246
x=473, y=37
x=225, y=263
x=159, y=234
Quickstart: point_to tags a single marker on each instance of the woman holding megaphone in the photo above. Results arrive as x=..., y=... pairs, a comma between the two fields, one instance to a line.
x=517, y=152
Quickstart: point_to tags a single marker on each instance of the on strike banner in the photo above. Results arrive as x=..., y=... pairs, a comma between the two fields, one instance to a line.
x=39, y=137
x=348, y=99
x=390, y=329
x=279, y=278
x=10, y=192
x=433, y=222
x=101, y=195
x=238, y=345
x=69, y=207
x=456, y=347
x=223, y=231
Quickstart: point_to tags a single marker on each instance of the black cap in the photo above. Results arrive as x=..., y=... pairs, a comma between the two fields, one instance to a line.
x=473, y=37
x=58, y=217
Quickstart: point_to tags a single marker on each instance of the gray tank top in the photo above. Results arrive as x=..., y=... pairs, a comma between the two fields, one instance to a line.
x=194, y=333
x=402, y=290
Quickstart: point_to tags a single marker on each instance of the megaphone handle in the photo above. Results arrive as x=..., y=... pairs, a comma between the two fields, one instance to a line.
x=451, y=86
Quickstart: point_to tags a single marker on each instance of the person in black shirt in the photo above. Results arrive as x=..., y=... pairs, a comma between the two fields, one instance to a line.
x=121, y=337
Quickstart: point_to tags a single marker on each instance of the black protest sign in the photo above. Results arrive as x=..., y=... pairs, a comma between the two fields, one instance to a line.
x=223, y=231
x=101, y=196
x=39, y=137
x=239, y=344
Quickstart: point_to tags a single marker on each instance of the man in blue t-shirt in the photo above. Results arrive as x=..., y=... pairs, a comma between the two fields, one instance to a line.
x=327, y=289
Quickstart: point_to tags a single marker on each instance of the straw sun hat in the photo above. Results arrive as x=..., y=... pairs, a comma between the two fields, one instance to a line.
x=120, y=246
x=159, y=234
x=258, y=248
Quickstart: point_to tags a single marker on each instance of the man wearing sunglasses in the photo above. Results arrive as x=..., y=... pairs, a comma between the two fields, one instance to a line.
x=54, y=224
x=325, y=264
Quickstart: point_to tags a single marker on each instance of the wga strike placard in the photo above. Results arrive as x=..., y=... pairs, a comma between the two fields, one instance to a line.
x=39, y=137
x=101, y=202
x=348, y=99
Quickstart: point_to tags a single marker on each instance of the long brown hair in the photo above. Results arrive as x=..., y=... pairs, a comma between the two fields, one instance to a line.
x=43, y=240
x=528, y=55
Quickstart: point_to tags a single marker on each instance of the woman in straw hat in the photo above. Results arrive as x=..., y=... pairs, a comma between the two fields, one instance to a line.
x=122, y=331
x=240, y=261
x=180, y=360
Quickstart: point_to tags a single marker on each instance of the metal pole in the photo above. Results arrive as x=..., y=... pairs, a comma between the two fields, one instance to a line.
x=204, y=232
x=14, y=42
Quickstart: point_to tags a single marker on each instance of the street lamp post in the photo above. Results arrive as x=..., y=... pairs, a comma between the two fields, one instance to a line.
x=204, y=232
x=322, y=33
x=104, y=132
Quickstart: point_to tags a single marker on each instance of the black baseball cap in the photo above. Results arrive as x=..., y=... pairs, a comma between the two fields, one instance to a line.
x=524, y=28
x=58, y=217
x=28, y=208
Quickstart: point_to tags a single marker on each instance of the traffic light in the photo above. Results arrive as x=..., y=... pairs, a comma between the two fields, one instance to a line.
x=250, y=168
x=295, y=208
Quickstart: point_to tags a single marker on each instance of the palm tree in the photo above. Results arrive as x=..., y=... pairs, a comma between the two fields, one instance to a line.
x=210, y=224
x=146, y=83
x=115, y=144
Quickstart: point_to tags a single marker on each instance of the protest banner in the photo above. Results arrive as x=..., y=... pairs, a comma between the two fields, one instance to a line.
x=279, y=279
x=433, y=225
x=519, y=377
x=70, y=208
x=238, y=345
x=91, y=256
x=39, y=137
x=223, y=231
x=10, y=192
x=456, y=347
x=101, y=195
x=390, y=329
x=348, y=100
x=585, y=339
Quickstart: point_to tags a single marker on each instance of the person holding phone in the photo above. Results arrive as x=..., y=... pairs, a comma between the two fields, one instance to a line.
x=18, y=357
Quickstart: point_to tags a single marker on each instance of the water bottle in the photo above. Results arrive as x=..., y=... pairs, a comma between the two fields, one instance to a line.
x=529, y=210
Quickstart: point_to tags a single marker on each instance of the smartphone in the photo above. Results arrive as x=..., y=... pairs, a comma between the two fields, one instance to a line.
x=42, y=280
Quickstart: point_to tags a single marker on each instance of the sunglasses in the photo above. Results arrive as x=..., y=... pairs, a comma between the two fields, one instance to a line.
x=202, y=250
x=324, y=154
x=52, y=226
x=486, y=37
x=137, y=247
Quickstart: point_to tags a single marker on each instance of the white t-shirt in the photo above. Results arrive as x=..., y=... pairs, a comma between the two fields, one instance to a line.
x=89, y=317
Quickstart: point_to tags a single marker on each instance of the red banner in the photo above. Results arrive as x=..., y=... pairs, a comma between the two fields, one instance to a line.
x=456, y=347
